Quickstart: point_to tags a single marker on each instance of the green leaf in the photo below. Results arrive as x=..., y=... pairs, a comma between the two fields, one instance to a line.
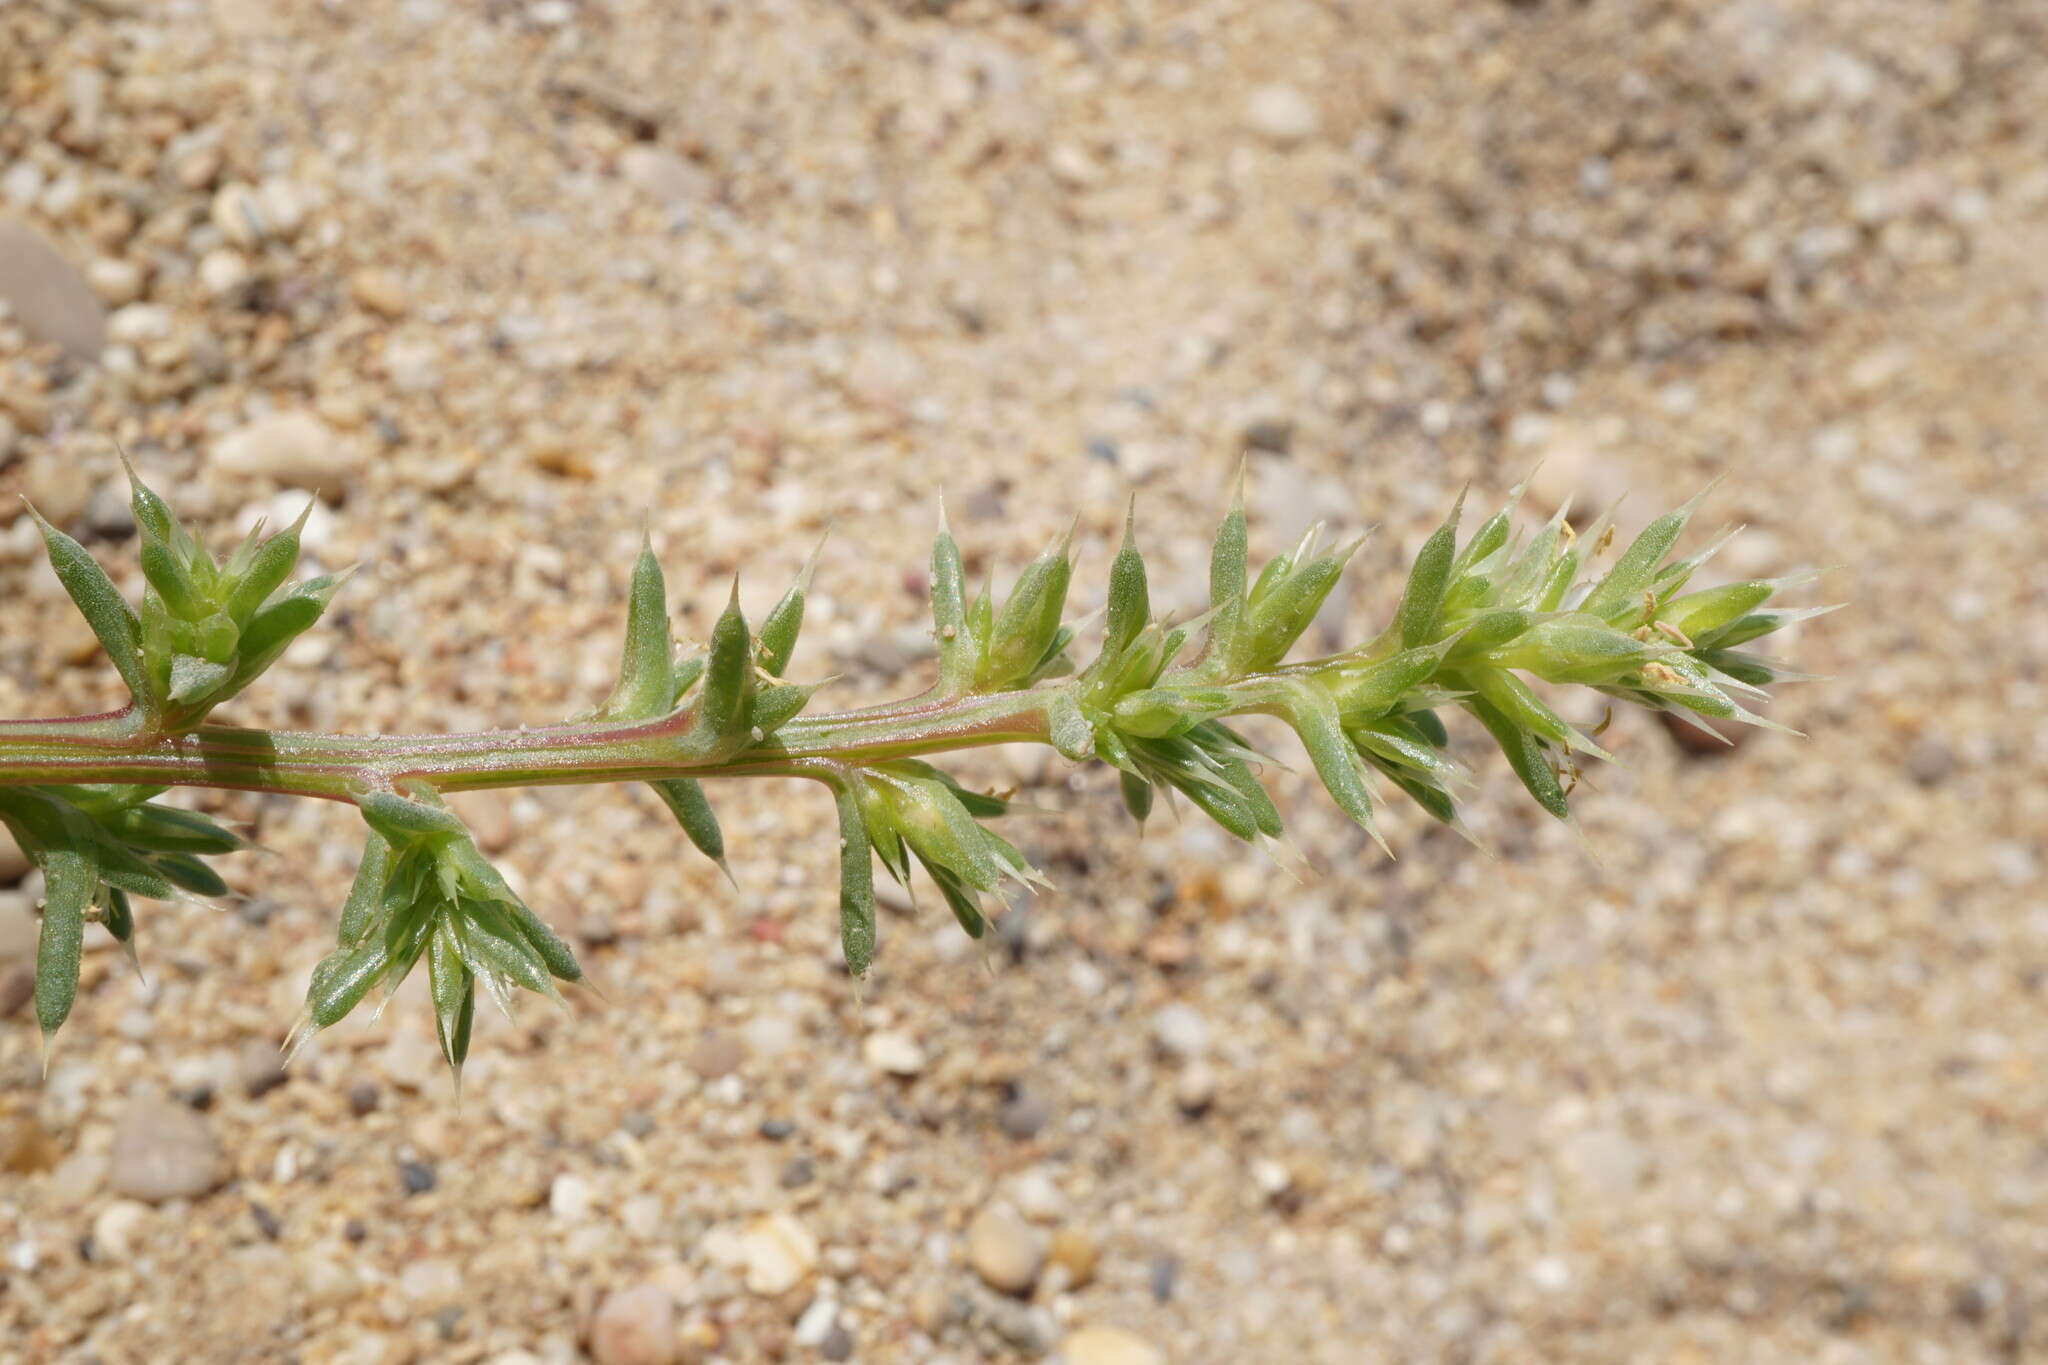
x=187, y=873
x=646, y=685
x=1577, y=649
x=343, y=978
x=780, y=627
x=1227, y=571
x=194, y=680
x=960, y=898
x=359, y=913
x=164, y=570
x=959, y=660
x=554, y=953
x=267, y=569
x=281, y=622
x=1314, y=717
x=1700, y=614
x=1428, y=580
x=856, y=882
x=452, y=989
x=492, y=946
x=728, y=676
x=1130, y=601
x=1275, y=623
x=1620, y=593
x=170, y=829
x=120, y=915
x=684, y=796
x=1376, y=688
x=112, y=620
x=773, y=706
x=1028, y=622
x=69, y=882
x=405, y=821
x=1069, y=729
x=1525, y=754
x=1137, y=794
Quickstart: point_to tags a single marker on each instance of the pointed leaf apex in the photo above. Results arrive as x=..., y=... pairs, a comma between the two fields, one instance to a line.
x=810, y=568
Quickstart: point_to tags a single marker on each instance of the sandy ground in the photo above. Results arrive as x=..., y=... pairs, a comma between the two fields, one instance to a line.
x=506, y=282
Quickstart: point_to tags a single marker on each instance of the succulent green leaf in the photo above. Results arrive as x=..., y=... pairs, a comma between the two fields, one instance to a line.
x=452, y=989
x=268, y=568
x=187, y=873
x=1428, y=580
x=728, y=675
x=69, y=883
x=169, y=829
x=958, y=657
x=552, y=951
x=856, y=882
x=1313, y=715
x=360, y=912
x=1025, y=628
x=779, y=629
x=1620, y=592
x=120, y=915
x=1137, y=794
x=1525, y=754
x=1702, y=613
x=404, y=821
x=1069, y=729
x=112, y=620
x=774, y=705
x=1130, y=600
x=1227, y=572
x=685, y=799
x=646, y=685
x=343, y=978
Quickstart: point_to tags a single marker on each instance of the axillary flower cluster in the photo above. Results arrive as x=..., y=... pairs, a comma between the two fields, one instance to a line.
x=1478, y=622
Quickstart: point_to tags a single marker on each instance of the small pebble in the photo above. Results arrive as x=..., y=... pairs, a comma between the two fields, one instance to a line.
x=893, y=1053
x=1194, y=1090
x=635, y=1326
x=115, y=1227
x=416, y=1176
x=1180, y=1031
x=1281, y=114
x=1109, y=1346
x=779, y=1252
x=380, y=291
x=716, y=1055
x=162, y=1151
x=260, y=1067
x=1004, y=1250
x=571, y=1197
x=1024, y=1114
x=47, y=295
x=1074, y=1256
x=291, y=447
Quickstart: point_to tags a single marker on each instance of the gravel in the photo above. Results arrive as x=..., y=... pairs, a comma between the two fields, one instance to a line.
x=522, y=281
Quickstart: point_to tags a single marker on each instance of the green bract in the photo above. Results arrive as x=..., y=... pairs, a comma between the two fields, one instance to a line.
x=1491, y=625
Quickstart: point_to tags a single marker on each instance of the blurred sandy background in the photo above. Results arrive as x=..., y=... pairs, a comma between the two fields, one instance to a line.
x=504, y=280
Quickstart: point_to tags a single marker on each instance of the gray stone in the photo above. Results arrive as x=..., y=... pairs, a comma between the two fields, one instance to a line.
x=47, y=294
x=164, y=1151
x=1180, y=1031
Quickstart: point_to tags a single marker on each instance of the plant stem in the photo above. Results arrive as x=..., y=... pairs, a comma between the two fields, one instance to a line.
x=109, y=748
